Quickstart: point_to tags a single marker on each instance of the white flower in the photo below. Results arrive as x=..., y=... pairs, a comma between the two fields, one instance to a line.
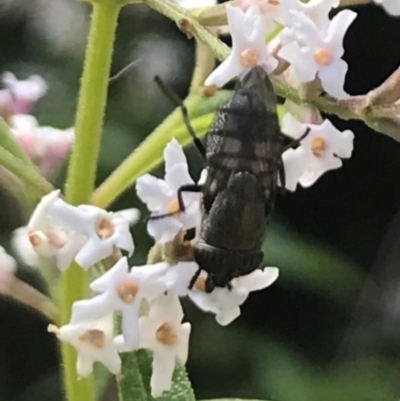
x=190, y=4
x=103, y=230
x=224, y=302
x=7, y=262
x=248, y=47
x=162, y=332
x=392, y=7
x=46, y=238
x=318, y=54
x=160, y=196
x=323, y=146
x=177, y=278
x=316, y=10
x=46, y=146
x=24, y=92
x=94, y=343
x=122, y=290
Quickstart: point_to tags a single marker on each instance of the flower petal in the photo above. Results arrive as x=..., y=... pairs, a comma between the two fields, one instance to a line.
x=161, y=377
x=227, y=316
x=258, y=279
x=153, y=191
x=332, y=78
x=295, y=162
x=226, y=71
x=165, y=229
x=177, y=176
x=173, y=154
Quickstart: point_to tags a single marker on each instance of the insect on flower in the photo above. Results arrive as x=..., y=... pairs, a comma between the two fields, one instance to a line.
x=243, y=157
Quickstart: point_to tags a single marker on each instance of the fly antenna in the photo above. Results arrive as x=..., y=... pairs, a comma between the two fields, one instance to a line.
x=177, y=101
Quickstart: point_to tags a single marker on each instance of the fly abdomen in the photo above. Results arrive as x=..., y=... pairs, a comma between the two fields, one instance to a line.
x=236, y=219
x=223, y=265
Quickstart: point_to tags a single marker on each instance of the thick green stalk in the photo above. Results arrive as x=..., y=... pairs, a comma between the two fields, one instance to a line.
x=83, y=164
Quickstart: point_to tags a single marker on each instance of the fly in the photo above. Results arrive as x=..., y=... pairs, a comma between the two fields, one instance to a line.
x=243, y=157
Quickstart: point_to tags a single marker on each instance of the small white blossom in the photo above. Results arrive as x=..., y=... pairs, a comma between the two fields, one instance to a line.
x=24, y=92
x=225, y=303
x=323, y=146
x=160, y=196
x=48, y=237
x=392, y=7
x=93, y=341
x=318, y=54
x=104, y=231
x=45, y=238
x=248, y=47
x=163, y=333
x=122, y=290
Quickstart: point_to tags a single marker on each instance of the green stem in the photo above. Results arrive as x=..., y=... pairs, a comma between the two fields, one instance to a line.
x=27, y=173
x=83, y=164
x=172, y=10
x=142, y=160
x=92, y=101
x=204, y=64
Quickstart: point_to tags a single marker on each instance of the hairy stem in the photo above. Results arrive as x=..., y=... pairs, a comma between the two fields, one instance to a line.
x=83, y=164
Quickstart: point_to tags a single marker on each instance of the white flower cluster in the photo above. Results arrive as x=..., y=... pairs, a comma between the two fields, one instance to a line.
x=148, y=297
x=313, y=45
x=87, y=234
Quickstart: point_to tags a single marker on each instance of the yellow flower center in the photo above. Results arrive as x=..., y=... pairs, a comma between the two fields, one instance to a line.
x=249, y=57
x=173, y=208
x=200, y=284
x=318, y=146
x=104, y=228
x=209, y=91
x=323, y=56
x=166, y=335
x=93, y=337
x=55, y=238
x=127, y=291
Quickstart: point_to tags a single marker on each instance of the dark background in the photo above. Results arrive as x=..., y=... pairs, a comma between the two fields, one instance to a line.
x=329, y=328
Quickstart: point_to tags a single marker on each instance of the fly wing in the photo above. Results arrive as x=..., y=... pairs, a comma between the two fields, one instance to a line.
x=245, y=136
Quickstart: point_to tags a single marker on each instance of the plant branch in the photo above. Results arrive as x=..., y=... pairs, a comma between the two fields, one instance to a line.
x=28, y=174
x=83, y=165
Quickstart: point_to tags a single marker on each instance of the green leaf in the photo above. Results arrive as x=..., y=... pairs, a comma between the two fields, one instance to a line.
x=232, y=399
x=135, y=382
x=130, y=386
x=311, y=263
x=27, y=173
x=181, y=389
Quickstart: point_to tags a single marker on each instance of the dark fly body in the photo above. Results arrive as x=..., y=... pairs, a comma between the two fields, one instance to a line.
x=243, y=156
x=244, y=159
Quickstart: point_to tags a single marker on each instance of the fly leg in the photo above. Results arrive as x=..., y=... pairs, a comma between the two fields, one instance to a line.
x=181, y=205
x=296, y=142
x=175, y=99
